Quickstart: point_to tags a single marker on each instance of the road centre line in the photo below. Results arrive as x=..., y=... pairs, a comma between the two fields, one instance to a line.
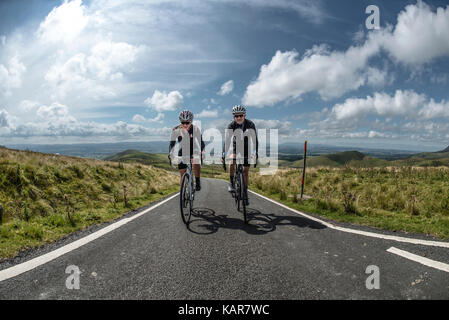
x=425, y=261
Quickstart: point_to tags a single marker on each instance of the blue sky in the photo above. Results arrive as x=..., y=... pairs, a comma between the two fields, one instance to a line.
x=102, y=71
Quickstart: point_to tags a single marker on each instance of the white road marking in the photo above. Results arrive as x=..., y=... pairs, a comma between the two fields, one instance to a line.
x=363, y=233
x=38, y=261
x=425, y=261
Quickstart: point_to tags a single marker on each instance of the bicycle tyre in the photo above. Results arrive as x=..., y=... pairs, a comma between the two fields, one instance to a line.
x=242, y=198
x=184, y=199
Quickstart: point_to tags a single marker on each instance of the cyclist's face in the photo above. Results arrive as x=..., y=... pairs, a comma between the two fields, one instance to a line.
x=186, y=124
x=239, y=118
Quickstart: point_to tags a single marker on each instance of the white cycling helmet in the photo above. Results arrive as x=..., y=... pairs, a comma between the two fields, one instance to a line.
x=186, y=115
x=238, y=109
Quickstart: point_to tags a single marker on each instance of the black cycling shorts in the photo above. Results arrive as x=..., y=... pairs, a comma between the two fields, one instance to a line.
x=182, y=166
x=245, y=163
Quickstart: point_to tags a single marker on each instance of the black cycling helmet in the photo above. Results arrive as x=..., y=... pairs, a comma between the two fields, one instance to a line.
x=238, y=109
x=186, y=115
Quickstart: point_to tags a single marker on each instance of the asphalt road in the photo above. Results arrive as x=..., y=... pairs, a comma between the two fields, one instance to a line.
x=279, y=255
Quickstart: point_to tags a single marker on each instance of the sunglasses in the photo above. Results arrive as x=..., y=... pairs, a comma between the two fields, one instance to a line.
x=185, y=122
x=238, y=116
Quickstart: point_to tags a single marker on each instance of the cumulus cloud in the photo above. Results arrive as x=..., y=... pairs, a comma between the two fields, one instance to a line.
x=28, y=105
x=382, y=104
x=226, y=88
x=434, y=110
x=57, y=121
x=420, y=34
x=55, y=112
x=331, y=74
x=139, y=118
x=87, y=73
x=64, y=23
x=207, y=114
x=11, y=75
x=4, y=119
x=418, y=37
x=108, y=58
x=283, y=127
x=162, y=101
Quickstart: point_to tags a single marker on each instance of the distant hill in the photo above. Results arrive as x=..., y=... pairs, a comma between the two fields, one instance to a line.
x=444, y=151
x=339, y=159
x=333, y=160
x=155, y=159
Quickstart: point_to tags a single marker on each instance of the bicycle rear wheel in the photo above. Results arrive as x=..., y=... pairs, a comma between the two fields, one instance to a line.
x=234, y=193
x=241, y=194
x=184, y=198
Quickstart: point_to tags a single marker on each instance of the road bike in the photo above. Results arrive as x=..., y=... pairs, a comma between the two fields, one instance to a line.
x=240, y=192
x=186, y=193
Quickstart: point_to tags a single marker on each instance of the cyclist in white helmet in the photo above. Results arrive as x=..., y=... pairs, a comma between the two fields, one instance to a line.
x=186, y=118
x=240, y=122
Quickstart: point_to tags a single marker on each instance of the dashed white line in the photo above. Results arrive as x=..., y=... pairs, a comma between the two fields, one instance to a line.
x=363, y=233
x=425, y=261
x=38, y=261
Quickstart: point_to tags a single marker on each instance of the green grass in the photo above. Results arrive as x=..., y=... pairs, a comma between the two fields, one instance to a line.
x=46, y=197
x=407, y=199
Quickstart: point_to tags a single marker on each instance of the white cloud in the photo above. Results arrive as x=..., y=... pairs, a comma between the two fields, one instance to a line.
x=433, y=110
x=5, y=122
x=307, y=9
x=54, y=111
x=3, y=40
x=331, y=74
x=64, y=23
x=140, y=118
x=28, y=105
x=207, y=114
x=11, y=75
x=92, y=75
x=226, y=88
x=56, y=121
x=284, y=127
x=162, y=101
x=420, y=34
x=419, y=37
x=108, y=58
x=382, y=104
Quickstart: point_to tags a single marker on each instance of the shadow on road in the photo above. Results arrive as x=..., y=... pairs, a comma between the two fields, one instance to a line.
x=205, y=221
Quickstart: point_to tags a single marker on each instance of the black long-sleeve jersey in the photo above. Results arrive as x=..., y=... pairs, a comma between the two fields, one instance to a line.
x=247, y=124
x=192, y=138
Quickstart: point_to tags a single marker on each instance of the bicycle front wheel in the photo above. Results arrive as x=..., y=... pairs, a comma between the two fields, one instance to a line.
x=184, y=198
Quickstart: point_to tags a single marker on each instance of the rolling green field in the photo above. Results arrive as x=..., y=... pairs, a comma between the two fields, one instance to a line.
x=358, y=159
x=46, y=197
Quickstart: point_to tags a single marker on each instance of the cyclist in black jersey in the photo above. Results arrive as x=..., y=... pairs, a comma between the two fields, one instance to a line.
x=187, y=129
x=240, y=122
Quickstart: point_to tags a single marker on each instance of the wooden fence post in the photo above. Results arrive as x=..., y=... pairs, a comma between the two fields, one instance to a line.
x=304, y=169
